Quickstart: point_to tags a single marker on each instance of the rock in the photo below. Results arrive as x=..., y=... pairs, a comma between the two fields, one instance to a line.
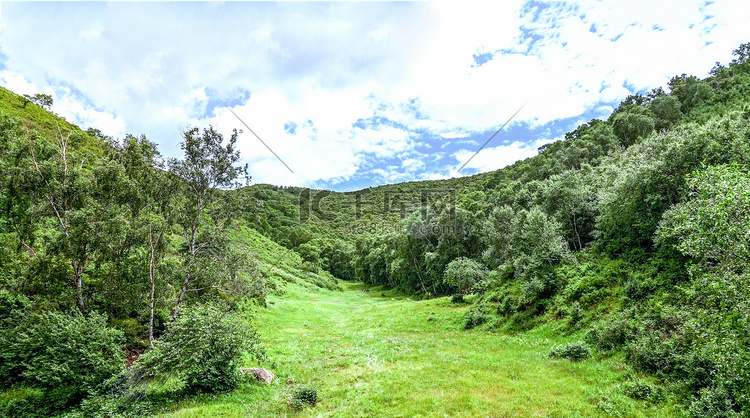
x=262, y=375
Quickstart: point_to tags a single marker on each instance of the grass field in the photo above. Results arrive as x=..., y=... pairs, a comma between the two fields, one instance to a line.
x=378, y=354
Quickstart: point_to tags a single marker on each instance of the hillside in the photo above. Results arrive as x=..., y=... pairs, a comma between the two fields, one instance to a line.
x=145, y=284
x=628, y=234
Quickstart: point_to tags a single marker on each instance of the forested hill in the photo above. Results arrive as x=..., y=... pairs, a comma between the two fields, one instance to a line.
x=632, y=233
x=629, y=236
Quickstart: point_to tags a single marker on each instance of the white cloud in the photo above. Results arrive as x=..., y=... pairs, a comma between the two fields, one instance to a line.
x=154, y=68
x=86, y=117
x=494, y=158
x=17, y=83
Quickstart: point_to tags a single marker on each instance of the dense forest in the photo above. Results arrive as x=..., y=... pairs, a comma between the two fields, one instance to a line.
x=632, y=233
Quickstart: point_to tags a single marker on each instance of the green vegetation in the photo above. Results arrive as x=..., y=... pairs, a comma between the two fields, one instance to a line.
x=410, y=358
x=623, y=248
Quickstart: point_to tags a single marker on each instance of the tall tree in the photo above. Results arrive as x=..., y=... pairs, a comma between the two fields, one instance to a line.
x=148, y=199
x=71, y=201
x=204, y=211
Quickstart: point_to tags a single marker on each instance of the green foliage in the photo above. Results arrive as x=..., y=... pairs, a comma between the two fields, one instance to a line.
x=463, y=273
x=310, y=253
x=643, y=392
x=66, y=357
x=712, y=224
x=666, y=110
x=690, y=91
x=202, y=347
x=610, y=334
x=304, y=396
x=478, y=314
x=714, y=403
x=632, y=123
x=571, y=351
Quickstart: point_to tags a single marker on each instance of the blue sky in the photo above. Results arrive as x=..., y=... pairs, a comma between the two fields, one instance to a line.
x=351, y=94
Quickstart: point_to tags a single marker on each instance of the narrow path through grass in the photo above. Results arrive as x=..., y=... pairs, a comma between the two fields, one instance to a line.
x=374, y=354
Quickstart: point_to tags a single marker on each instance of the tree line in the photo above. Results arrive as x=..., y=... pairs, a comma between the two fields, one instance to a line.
x=631, y=233
x=107, y=245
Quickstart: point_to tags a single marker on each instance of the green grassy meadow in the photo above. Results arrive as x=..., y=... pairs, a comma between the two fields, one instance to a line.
x=381, y=354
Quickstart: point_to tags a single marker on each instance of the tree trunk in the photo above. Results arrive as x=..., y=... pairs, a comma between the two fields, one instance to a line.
x=78, y=282
x=181, y=296
x=152, y=279
x=575, y=228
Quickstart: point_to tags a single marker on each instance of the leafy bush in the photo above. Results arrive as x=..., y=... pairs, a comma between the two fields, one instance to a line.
x=305, y=396
x=609, y=335
x=457, y=298
x=463, y=273
x=66, y=357
x=203, y=347
x=477, y=315
x=714, y=403
x=572, y=351
x=643, y=392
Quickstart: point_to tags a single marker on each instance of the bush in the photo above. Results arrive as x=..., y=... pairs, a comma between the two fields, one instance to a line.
x=713, y=403
x=463, y=273
x=572, y=351
x=457, y=298
x=609, y=335
x=66, y=357
x=203, y=347
x=477, y=315
x=643, y=392
x=305, y=396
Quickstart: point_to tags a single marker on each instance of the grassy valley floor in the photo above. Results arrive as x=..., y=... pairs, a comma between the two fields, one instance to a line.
x=377, y=354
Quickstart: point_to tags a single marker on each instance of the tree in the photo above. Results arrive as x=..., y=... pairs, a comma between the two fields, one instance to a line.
x=148, y=199
x=712, y=224
x=666, y=110
x=632, y=123
x=204, y=211
x=42, y=100
x=463, y=273
x=571, y=198
x=203, y=347
x=69, y=200
x=691, y=91
x=742, y=54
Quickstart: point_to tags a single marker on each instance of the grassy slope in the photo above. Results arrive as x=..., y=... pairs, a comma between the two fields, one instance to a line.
x=277, y=265
x=46, y=123
x=380, y=354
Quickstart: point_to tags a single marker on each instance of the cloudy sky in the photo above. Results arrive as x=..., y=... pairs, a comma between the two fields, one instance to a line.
x=349, y=94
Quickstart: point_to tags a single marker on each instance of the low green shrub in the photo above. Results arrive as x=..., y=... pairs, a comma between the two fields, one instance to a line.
x=203, y=347
x=712, y=402
x=477, y=315
x=643, y=392
x=610, y=334
x=572, y=351
x=304, y=396
x=66, y=358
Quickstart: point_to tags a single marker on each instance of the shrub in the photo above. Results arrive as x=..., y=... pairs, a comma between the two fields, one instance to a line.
x=643, y=392
x=457, y=298
x=609, y=335
x=203, y=347
x=713, y=403
x=304, y=396
x=463, y=273
x=66, y=357
x=572, y=351
x=476, y=315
